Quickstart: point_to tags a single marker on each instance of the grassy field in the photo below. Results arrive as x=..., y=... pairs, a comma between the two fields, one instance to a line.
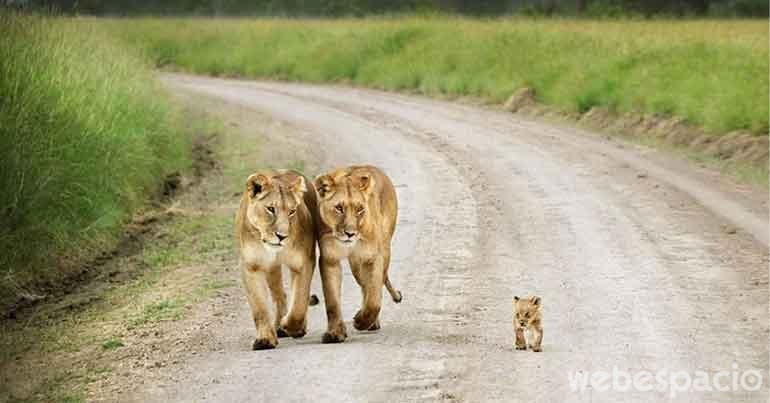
x=713, y=73
x=85, y=136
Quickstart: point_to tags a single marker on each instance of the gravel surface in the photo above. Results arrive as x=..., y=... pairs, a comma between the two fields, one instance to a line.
x=642, y=261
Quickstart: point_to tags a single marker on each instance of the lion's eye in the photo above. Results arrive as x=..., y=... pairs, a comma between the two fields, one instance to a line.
x=360, y=211
x=291, y=212
x=271, y=210
x=338, y=208
x=526, y=315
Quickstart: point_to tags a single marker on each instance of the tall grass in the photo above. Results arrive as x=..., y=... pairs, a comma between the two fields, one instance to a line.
x=85, y=136
x=712, y=73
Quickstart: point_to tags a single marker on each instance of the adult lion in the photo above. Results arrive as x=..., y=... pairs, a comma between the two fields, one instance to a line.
x=277, y=224
x=358, y=210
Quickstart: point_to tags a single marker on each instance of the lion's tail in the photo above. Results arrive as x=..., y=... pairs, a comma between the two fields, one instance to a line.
x=394, y=293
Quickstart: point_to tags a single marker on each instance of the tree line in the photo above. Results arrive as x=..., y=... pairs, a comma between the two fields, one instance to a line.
x=332, y=8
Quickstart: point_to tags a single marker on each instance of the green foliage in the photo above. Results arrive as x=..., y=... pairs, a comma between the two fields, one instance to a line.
x=112, y=343
x=712, y=73
x=85, y=135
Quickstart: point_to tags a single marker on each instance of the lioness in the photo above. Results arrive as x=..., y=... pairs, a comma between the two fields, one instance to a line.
x=277, y=224
x=527, y=317
x=357, y=208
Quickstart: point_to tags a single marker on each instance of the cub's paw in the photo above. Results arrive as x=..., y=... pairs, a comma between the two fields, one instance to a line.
x=281, y=333
x=364, y=321
x=521, y=347
x=537, y=349
x=264, y=344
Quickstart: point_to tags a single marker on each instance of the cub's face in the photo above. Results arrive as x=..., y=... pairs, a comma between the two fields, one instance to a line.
x=526, y=310
x=272, y=206
x=343, y=205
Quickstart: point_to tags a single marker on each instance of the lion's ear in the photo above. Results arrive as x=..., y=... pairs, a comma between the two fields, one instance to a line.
x=297, y=184
x=324, y=185
x=365, y=183
x=535, y=301
x=516, y=298
x=257, y=186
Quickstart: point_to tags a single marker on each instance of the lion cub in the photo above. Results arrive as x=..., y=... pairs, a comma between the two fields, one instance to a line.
x=527, y=317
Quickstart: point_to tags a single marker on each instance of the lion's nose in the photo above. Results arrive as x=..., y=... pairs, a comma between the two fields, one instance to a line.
x=350, y=234
x=281, y=236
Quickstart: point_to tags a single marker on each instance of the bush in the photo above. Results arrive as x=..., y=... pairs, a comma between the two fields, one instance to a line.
x=85, y=136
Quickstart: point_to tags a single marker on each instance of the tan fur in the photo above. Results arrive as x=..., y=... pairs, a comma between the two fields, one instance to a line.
x=259, y=232
x=527, y=317
x=358, y=211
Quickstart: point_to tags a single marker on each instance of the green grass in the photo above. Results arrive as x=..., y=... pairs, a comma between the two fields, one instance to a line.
x=168, y=309
x=112, y=343
x=713, y=73
x=86, y=134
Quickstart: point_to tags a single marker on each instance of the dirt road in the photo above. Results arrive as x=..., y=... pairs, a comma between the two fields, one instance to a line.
x=642, y=262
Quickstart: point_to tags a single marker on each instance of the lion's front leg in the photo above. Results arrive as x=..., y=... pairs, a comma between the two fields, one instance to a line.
x=537, y=336
x=331, y=279
x=256, y=284
x=295, y=322
x=369, y=275
x=275, y=283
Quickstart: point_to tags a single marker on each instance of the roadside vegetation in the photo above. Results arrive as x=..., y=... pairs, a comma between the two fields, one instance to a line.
x=712, y=73
x=131, y=319
x=86, y=136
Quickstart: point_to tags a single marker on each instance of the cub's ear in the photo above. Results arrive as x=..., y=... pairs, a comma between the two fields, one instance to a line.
x=365, y=183
x=516, y=298
x=257, y=186
x=535, y=300
x=297, y=184
x=324, y=185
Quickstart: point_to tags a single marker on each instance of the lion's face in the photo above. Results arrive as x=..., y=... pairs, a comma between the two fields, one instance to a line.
x=527, y=310
x=343, y=205
x=272, y=206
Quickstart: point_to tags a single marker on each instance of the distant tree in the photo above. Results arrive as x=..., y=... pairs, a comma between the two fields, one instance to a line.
x=757, y=8
x=580, y=6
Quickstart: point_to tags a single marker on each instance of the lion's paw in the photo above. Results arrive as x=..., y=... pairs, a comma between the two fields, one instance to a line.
x=328, y=338
x=293, y=329
x=264, y=344
x=364, y=322
x=336, y=334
